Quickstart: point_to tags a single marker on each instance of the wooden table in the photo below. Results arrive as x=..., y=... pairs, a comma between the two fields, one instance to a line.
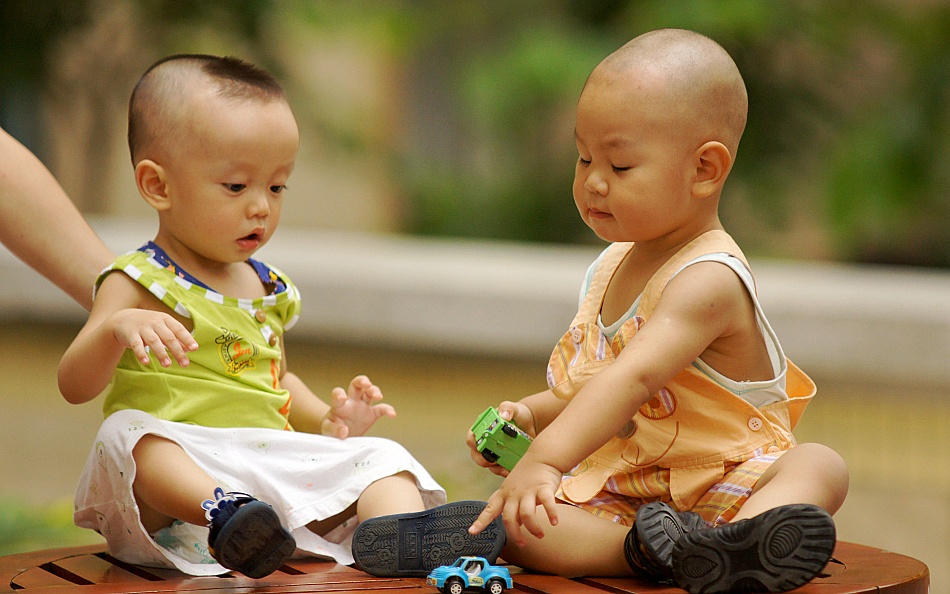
x=90, y=570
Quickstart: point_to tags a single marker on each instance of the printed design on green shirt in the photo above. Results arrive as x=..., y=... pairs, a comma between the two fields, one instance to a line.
x=237, y=353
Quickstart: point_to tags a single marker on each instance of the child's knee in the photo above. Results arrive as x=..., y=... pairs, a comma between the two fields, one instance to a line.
x=824, y=460
x=827, y=470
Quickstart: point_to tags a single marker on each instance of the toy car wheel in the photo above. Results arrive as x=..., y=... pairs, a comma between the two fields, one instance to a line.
x=490, y=456
x=453, y=586
x=509, y=430
x=495, y=586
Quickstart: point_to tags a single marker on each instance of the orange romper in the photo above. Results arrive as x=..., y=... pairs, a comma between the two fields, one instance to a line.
x=695, y=444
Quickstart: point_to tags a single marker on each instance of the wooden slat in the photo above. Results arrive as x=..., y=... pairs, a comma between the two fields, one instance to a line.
x=60, y=571
x=549, y=584
x=868, y=569
x=314, y=565
x=630, y=586
x=101, y=571
x=36, y=578
x=23, y=570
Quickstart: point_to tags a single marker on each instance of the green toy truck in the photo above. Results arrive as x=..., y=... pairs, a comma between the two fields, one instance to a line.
x=498, y=440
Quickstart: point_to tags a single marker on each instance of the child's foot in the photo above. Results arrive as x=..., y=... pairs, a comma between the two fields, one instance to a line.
x=776, y=551
x=413, y=544
x=246, y=534
x=649, y=544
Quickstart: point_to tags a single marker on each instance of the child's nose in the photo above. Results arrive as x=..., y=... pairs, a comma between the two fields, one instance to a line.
x=259, y=205
x=596, y=183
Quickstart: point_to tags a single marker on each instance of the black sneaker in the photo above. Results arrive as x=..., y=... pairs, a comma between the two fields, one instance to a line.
x=648, y=547
x=246, y=534
x=413, y=544
x=776, y=551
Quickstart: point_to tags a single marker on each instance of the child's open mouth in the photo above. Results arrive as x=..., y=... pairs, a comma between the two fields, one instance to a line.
x=251, y=240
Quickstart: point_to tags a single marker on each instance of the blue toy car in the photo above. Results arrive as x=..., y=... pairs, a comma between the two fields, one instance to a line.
x=470, y=573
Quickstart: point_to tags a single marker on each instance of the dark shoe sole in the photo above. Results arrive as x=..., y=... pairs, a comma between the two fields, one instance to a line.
x=253, y=541
x=413, y=544
x=776, y=551
x=658, y=526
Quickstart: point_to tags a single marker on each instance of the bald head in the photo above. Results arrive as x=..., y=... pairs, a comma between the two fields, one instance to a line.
x=692, y=78
x=158, y=108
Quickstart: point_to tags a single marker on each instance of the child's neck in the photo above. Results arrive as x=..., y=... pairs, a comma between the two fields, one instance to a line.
x=233, y=279
x=639, y=265
x=666, y=246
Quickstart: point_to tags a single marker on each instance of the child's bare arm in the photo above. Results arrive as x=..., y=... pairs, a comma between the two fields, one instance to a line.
x=543, y=407
x=531, y=414
x=117, y=323
x=307, y=410
x=699, y=306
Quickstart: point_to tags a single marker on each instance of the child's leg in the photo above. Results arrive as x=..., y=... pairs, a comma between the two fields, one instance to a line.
x=807, y=473
x=395, y=494
x=782, y=536
x=582, y=544
x=246, y=534
x=168, y=484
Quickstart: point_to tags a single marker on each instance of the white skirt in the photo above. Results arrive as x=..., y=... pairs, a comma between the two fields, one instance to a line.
x=305, y=477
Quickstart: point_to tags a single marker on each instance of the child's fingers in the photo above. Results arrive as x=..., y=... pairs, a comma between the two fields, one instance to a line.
x=491, y=511
x=477, y=457
x=342, y=431
x=337, y=397
x=171, y=343
x=513, y=519
x=549, y=503
x=360, y=383
x=184, y=337
x=519, y=414
x=332, y=426
x=373, y=394
x=529, y=517
x=384, y=410
x=507, y=410
x=153, y=340
x=138, y=349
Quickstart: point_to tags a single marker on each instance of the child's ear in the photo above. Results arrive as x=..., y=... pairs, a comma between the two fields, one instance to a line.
x=713, y=163
x=150, y=179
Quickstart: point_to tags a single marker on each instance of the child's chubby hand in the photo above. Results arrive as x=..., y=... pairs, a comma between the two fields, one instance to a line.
x=517, y=413
x=144, y=330
x=531, y=483
x=353, y=411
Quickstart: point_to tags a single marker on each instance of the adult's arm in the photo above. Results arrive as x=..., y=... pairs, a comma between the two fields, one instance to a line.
x=42, y=226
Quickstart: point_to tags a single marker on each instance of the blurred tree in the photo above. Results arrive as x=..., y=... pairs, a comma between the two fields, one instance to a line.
x=88, y=53
x=27, y=32
x=842, y=157
x=508, y=108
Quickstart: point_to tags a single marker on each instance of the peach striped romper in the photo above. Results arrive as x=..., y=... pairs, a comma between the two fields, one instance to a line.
x=704, y=440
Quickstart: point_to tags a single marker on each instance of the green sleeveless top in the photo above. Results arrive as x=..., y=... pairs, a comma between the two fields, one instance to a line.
x=233, y=378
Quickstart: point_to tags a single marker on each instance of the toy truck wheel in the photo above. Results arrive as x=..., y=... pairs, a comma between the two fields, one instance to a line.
x=490, y=456
x=453, y=586
x=495, y=587
x=509, y=430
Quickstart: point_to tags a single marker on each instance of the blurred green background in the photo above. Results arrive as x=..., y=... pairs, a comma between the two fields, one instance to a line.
x=455, y=119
